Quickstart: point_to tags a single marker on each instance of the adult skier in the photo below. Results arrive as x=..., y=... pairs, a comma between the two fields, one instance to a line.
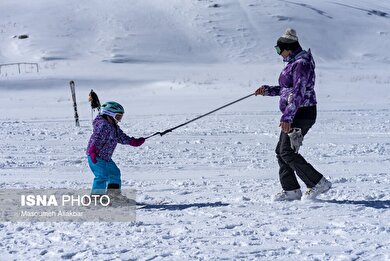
x=298, y=106
x=106, y=135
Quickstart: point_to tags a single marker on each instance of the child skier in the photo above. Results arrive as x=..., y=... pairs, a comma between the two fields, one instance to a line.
x=106, y=134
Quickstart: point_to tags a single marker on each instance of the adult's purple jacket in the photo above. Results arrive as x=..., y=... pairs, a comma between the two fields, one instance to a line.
x=296, y=85
x=105, y=137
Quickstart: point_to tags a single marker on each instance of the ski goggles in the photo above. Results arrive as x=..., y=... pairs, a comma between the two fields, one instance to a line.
x=278, y=49
x=116, y=116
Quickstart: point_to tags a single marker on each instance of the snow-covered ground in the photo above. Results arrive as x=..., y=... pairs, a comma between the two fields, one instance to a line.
x=168, y=62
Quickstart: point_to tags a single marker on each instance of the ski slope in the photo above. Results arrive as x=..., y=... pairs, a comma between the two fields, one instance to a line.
x=168, y=62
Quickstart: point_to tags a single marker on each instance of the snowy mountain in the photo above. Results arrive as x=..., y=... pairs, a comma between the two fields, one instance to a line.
x=192, y=31
x=167, y=62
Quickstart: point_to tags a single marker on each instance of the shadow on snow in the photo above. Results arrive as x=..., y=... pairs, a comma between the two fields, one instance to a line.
x=378, y=204
x=181, y=206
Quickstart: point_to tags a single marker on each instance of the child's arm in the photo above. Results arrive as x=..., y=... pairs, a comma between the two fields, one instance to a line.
x=124, y=139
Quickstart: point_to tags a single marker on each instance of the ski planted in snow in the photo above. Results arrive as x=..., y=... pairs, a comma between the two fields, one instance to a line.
x=76, y=115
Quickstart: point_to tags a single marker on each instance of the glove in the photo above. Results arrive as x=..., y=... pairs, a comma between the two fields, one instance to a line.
x=296, y=139
x=136, y=142
x=92, y=152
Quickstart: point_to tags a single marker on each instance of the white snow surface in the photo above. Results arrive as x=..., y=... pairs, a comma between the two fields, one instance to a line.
x=168, y=62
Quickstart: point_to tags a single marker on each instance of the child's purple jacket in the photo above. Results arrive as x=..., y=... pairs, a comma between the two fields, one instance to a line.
x=296, y=85
x=105, y=137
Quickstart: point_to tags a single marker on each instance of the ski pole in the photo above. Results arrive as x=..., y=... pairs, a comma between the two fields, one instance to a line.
x=199, y=117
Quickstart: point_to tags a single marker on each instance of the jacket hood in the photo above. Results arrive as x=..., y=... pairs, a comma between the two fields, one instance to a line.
x=302, y=54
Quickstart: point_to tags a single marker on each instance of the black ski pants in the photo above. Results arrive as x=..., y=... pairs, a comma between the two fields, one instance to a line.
x=292, y=163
